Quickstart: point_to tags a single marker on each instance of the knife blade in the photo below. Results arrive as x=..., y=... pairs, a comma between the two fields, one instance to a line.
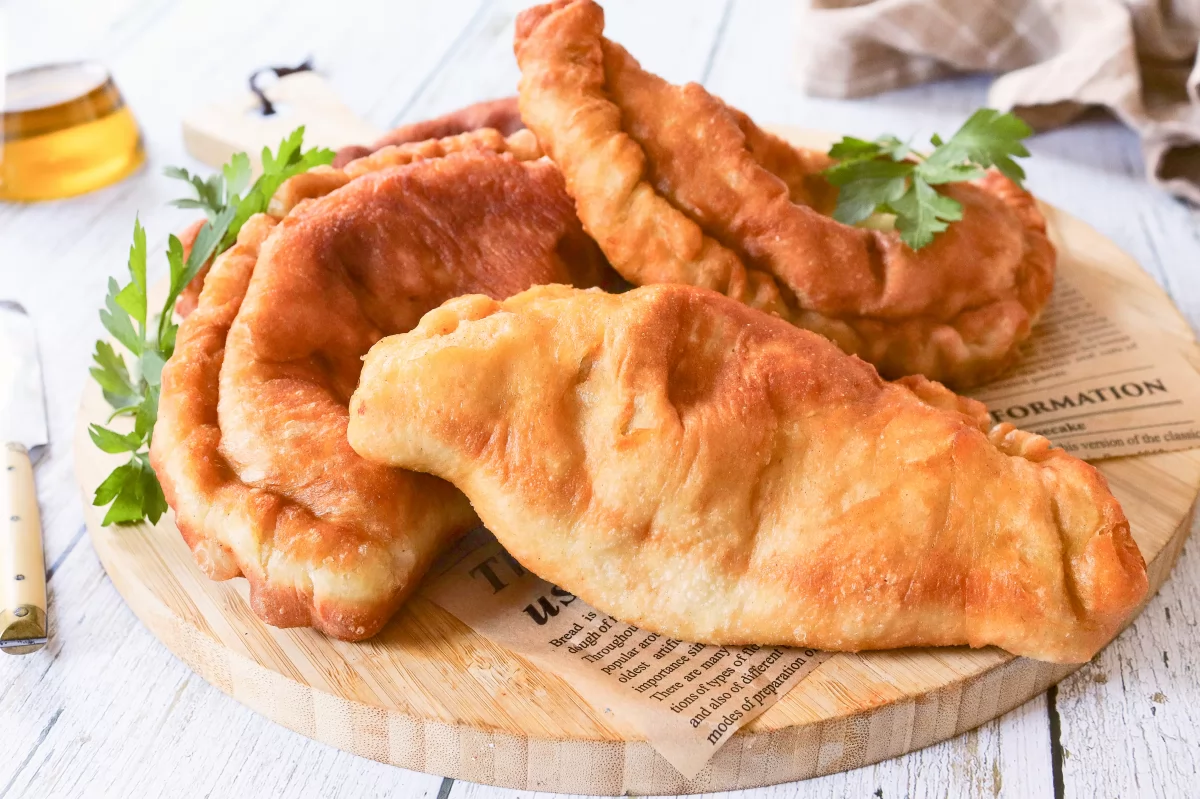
x=24, y=435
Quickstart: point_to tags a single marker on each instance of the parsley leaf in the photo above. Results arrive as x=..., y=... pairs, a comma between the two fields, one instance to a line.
x=132, y=298
x=113, y=377
x=237, y=173
x=922, y=213
x=222, y=193
x=852, y=148
x=886, y=176
x=113, y=442
x=987, y=139
x=134, y=492
x=132, y=386
x=117, y=322
x=864, y=185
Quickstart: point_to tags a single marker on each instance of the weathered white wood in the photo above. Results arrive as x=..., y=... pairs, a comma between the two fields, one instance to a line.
x=105, y=710
x=1131, y=717
x=132, y=721
x=675, y=37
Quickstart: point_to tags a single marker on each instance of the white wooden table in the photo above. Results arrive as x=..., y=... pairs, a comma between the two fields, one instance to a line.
x=105, y=710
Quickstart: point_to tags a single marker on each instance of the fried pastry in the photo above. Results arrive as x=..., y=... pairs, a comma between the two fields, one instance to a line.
x=322, y=180
x=715, y=474
x=250, y=444
x=501, y=114
x=677, y=187
x=190, y=296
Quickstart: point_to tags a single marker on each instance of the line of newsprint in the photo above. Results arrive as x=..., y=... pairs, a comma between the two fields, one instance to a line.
x=1096, y=384
x=687, y=700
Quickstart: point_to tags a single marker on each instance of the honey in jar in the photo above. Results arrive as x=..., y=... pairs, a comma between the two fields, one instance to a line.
x=66, y=131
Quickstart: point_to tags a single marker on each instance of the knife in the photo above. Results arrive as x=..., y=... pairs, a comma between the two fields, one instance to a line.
x=23, y=433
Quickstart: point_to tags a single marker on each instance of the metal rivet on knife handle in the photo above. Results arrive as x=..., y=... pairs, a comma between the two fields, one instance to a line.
x=22, y=601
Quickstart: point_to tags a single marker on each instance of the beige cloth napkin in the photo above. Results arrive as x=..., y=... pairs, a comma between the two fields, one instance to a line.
x=1137, y=58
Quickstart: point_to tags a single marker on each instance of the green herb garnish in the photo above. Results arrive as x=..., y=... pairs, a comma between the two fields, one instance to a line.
x=886, y=176
x=131, y=385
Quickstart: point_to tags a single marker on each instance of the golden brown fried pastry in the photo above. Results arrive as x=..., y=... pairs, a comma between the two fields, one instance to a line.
x=190, y=296
x=323, y=179
x=250, y=445
x=678, y=188
x=501, y=114
x=708, y=472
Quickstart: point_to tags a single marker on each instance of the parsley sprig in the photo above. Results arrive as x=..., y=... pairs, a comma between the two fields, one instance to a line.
x=131, y=383
x=886, y=176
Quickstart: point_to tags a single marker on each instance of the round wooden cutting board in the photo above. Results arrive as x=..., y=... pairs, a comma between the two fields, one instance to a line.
x=431, y=695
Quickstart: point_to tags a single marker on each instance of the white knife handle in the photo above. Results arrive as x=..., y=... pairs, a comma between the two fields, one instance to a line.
x=22, y=565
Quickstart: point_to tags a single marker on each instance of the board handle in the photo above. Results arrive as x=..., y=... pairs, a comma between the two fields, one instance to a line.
x=22, y=565
x=212, y=134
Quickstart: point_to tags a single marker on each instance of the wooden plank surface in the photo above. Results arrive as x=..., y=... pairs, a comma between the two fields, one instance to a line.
x=106, y=709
